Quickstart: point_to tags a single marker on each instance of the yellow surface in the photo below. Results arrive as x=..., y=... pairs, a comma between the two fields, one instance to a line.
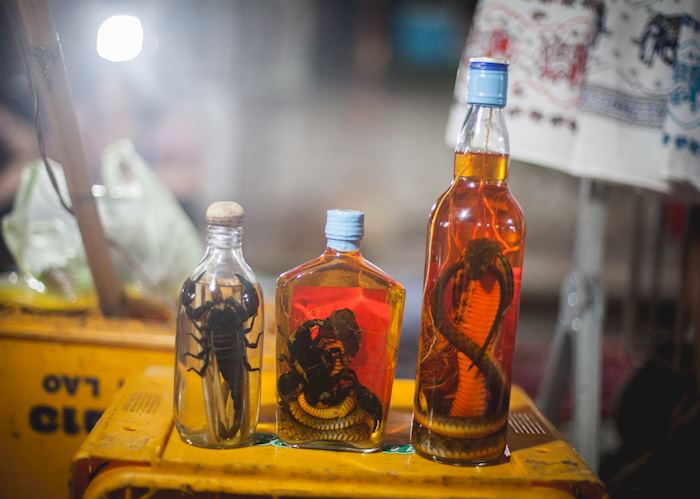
x=47, y=302
x=139, y=451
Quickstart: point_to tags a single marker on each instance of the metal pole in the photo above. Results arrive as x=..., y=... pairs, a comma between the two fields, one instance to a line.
x=578, y=337
x=657, y=257
x=631, y=303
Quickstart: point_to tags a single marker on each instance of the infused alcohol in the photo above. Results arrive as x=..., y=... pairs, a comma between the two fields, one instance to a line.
x=471, y=290
x=338, y=325
x=219, y=340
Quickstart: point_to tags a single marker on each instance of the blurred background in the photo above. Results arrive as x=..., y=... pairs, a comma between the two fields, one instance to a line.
x=292, y=108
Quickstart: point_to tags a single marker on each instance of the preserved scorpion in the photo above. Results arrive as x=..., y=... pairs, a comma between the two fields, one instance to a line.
x=322, y=396
x=482, y=290
x=223, y=324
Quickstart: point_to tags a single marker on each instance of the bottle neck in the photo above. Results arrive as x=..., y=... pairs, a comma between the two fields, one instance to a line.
x=342, y=246
x=482, y=148
x=220, y=237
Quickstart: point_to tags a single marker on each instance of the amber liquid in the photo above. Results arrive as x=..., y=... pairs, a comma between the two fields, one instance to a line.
x=471, y=294
x=335, y=375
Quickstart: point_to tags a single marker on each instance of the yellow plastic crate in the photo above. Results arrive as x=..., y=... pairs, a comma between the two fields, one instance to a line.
x=134, y=451
x=58, y=373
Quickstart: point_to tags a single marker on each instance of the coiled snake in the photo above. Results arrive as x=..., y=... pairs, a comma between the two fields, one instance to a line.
x=321, y=397
x=469, y=437
x=343, y=422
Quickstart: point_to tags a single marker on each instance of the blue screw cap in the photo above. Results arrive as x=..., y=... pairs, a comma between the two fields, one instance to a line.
x=345, y=225
x=487, y=82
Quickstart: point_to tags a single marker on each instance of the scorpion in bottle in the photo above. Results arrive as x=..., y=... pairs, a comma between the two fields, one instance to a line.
x=223, y=324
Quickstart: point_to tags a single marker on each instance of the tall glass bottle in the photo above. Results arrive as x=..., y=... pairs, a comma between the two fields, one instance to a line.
x=219, y=340
x=471, y=290
x=338, y=325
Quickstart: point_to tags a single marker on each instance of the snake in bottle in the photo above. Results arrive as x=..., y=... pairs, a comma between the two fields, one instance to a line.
x=322, y=397
x=469, y=437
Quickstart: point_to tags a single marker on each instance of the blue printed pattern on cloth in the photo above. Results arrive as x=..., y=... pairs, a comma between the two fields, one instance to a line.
x=599, y=89
x=681, y=133
x=618, y=105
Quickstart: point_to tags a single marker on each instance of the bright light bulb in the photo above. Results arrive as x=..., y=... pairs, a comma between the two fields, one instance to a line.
x=120, y=38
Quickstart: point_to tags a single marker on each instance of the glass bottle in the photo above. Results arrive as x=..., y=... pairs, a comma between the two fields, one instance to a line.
x=471, y=289
x=219, y=340
x=338, y=325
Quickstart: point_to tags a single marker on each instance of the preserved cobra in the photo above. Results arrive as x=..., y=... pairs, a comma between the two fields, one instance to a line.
x=482, y=289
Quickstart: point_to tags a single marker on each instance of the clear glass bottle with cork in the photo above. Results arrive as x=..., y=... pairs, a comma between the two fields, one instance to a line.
x=219, y=340
x=338, y=325
x=476, y=236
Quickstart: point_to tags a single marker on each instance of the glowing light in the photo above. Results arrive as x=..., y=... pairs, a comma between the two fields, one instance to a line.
x=98, y=190
x=120, y=38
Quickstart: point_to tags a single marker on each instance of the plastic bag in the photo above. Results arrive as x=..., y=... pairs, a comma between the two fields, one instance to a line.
x=154, y=244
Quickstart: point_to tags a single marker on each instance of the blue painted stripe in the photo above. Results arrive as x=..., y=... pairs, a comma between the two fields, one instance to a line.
x=488, y=66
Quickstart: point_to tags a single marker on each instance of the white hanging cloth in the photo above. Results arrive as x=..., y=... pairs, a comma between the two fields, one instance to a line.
x=607, y=90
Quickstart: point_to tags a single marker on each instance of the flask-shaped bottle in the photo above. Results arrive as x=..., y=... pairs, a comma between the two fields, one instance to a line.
x=471, y=289
x=219, y=340
x=338, y=325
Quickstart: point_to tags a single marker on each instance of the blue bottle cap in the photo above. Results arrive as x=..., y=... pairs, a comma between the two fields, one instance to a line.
x=344, y=229
x=487, y=82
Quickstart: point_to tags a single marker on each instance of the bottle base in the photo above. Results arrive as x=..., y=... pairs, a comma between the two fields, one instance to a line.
x=356, y=438
x=202, y=440
x=485, y=450
x=474, y=463
x=330, y=445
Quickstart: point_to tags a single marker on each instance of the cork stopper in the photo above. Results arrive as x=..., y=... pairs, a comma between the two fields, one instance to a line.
x=225, y=213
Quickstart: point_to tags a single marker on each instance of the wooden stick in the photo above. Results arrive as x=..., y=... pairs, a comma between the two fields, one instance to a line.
x=42, y=51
